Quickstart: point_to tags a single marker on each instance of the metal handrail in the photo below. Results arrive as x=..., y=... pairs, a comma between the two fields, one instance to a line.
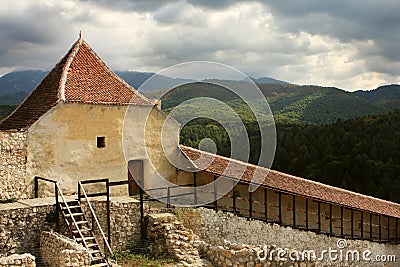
x=36, y=195
x=57, y=192
x=73, y=219
x=95, y=218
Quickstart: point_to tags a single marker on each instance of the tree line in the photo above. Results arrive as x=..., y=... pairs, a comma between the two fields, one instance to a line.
x=360, y=155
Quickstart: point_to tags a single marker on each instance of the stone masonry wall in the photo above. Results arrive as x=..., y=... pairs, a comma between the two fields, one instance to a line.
x=12, y=165
x=171, y=236
x=238, y=255
x=59, y=251
x=18, y=260
x=21, y=223
x=124, y=220
x=217, y=228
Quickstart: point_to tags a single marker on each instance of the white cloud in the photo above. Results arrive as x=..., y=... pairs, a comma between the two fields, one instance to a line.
x=260, y=40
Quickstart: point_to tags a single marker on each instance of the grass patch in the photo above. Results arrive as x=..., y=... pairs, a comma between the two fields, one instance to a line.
x=126, y=259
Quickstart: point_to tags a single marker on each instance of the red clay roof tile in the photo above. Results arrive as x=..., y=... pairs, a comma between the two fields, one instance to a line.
x=80, y=77
x=290, y=184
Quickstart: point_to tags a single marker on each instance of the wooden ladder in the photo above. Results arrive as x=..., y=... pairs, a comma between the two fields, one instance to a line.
x=81, y=231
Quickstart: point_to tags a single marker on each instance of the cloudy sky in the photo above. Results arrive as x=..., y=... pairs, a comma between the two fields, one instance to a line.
x=348, y=44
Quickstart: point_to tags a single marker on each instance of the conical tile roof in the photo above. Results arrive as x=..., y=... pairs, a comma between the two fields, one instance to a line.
x=80, y=77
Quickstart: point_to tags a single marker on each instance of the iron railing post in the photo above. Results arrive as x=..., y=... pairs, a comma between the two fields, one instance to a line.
x=142, y=228
x=108, y=212
x=57, y=207
x=370, y=227
x=352, y=224
x=307, y=214
x=294, y=210
x=331, y=221
x=85, y=196
x=380, y=228
x=195, y=188
x=233, y=198
x=168, y=197
x=79, y=192
x=266, y=204
x=319, y=217
x=362, y=225
x=36, y=186
x=215, y=194
x=341, y=222
x=280, y=207
x=250, y=204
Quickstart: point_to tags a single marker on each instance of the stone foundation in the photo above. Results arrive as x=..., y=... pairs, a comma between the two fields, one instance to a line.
x=219, y=228
x=171, y=236
x=12, y=165
x=124, y=221
x=18, y=260
x=21, y=223
x=59, y=251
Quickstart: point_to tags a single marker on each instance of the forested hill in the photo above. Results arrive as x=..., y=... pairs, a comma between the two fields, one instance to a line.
x=360, y=154
x=311, y=104
x=387, y=96
x=308, y=103
x=15, y=86
x=5, y=110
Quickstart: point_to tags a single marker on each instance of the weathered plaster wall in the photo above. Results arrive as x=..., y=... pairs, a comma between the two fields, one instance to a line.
x=12, y=165
x=62, y=144
x=216, y=227
x=59, y=251
x=162, y=140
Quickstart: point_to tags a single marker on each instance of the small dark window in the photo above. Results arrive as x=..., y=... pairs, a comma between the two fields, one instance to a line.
x=101, y=142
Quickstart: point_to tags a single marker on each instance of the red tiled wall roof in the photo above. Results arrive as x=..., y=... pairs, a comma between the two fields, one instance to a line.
x=216, y=165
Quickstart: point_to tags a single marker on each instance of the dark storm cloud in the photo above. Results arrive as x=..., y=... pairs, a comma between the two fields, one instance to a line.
x=30, y=37
x=24, y=28
x=343, y=19
x=348, y=21
x=298, y=40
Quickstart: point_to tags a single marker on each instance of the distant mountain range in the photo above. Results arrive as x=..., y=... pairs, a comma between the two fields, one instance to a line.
x=313, y=104
x=387, y=96
x=267, y=80
x=15, y=86
x=289, y=102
